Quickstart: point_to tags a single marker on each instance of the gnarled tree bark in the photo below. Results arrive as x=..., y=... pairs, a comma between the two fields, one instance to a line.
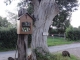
x=44, y=12
x=22, y=44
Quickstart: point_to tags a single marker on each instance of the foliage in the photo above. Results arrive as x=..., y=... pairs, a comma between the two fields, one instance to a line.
x=30, y=9
x=57, y=56
x=73, y=33
x=8, y=38
x=44, y=55
x=12, y=17
x=7, y=2
x=68, y=5
x=4, y=22
x=55, y=31
x=62, y=20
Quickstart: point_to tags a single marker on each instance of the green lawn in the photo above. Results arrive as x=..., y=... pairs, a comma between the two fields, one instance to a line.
x=57, y=41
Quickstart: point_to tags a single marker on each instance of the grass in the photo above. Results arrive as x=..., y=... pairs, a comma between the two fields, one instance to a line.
x=60, y=57
x=57, y=41
x=51, y=42
x=56, y=56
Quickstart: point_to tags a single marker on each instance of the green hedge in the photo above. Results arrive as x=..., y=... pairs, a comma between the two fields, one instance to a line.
x=8, y=38
x=73, y=34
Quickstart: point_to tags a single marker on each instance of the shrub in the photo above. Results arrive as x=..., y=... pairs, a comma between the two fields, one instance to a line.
x=42, y=55
x=49, y=56
x=8, y=38
x=73, y=33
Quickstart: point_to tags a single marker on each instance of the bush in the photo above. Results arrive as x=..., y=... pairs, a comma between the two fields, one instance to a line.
x=42, y=55
x=73, y=33
x=8, y=38
x=49, y=56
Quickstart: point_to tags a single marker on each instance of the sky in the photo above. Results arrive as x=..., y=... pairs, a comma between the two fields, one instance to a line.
x=12, y=7
x=75, y=19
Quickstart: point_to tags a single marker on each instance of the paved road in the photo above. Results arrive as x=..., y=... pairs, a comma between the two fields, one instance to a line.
x=72, y=48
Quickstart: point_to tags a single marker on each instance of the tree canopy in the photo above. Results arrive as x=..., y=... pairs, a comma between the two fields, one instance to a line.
x=62, y=20
x=4, y=22
x=68, y=5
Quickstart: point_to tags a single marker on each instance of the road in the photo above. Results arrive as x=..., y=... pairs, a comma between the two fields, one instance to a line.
x=72, y=48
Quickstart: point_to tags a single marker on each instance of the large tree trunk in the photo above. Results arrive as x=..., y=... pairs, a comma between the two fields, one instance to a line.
x=44, y=12
x=22, y=44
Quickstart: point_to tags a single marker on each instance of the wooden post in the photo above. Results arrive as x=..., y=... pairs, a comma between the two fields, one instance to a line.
x=22, y=44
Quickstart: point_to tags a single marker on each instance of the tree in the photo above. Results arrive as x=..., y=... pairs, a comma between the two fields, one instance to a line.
x=68, y=5
x=62, y=20
x=79, y=27
x=12, y=18
x=4, y=22
x=66, y=9
x=44, y=12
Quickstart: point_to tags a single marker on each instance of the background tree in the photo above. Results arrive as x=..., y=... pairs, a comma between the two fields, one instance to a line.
x=12, y=18
x=4, y=22
x=62, y=20
x=79, y=27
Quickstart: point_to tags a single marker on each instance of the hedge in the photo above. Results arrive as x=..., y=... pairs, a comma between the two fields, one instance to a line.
x=8, y=38
x=73, y=34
